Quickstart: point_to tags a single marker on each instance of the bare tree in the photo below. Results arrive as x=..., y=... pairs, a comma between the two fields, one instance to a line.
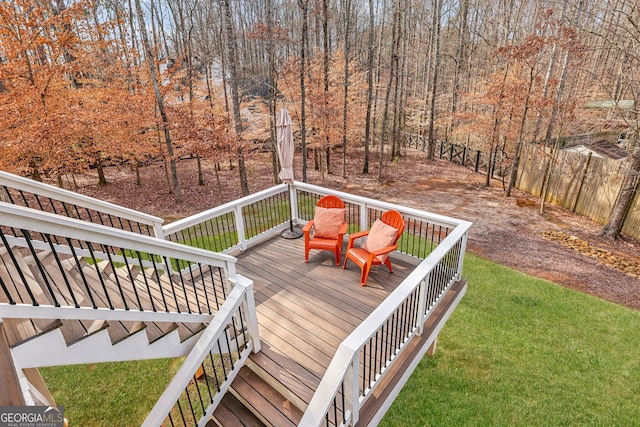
x=177, y=192
x=370, y=73
x=235, y=97
x=304, y=7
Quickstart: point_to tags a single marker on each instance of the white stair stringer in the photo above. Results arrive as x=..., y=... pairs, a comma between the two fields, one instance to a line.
x=51, y=349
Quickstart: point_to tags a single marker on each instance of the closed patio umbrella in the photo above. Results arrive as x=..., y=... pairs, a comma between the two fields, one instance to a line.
x=285, y=154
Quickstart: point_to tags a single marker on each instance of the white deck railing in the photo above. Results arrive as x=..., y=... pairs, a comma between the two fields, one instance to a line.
x=357, y=367
x=354, y=372
x=214, y=342
x=23, y=191
x=39, y=232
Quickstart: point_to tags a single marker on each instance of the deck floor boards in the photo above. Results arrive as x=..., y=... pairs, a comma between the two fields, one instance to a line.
x=305, y=310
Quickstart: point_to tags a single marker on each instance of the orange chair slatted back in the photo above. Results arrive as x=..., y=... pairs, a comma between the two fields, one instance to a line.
x=395, y=220
x=330, y=202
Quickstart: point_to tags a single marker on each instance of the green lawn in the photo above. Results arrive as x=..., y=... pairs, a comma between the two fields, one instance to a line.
x=518, y=351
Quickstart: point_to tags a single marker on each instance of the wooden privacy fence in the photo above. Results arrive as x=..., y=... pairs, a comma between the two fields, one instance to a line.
x=585, y=184
x=471, y=158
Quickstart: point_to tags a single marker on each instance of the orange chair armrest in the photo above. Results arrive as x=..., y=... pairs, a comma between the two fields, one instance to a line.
x=385, y=250
x=343, y=229
x=307, y=227
x=354, y=236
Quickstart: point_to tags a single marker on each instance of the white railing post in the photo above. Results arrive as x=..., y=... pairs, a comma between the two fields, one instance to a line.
x=158, y=230
x=250, y=310
x=351, y=391
x=463, y=249
x=422, y=302
x=293, y=200
x=363, y=216
x=240, y=227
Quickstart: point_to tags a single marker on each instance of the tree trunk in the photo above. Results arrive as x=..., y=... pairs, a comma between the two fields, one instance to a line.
x=273, y=93
x=516, y=158
x=367, y=130
x=200, y=173
x=102, y=180
x=160, y=102
x=393, y=59
x=304, y=4
x=325, y=66
x=235, y=97
x=137, y=169
x=625, y=197
x=431, y=143
x=345, y=105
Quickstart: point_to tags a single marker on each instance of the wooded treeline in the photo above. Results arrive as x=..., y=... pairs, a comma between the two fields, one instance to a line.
x=77, y=78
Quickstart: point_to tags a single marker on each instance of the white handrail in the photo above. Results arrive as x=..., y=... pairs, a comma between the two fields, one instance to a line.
x=229, y=207
x=378, y=204
x=242, y=293
x=44, y=222
x=62, y=195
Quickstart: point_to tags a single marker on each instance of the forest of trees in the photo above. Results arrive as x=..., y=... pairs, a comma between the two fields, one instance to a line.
x=86, y=82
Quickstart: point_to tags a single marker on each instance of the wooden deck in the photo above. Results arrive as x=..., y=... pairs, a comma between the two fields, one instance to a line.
x=305, y=310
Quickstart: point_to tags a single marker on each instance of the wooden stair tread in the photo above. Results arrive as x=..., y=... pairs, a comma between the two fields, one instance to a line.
x=157, y=330
x=76, y=330
x=187, y=330
x=263, y=400
x=21, y=330
x=119, y=331
x=13, y=281
x=230, y=412
x=292, y=377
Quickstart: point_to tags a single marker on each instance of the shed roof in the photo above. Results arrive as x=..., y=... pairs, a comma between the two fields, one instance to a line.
x=600, y=148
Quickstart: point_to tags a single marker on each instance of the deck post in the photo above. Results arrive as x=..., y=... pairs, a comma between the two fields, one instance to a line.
x=240, y=227
x=432, y=348
x=293, y=200
x=250, y=310
x=363, y=217
x=422, y=302
x=10, y=390
x=463, y=249
x=351, y=392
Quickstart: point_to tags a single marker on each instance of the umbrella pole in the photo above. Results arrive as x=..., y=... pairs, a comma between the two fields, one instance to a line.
x=291, y=233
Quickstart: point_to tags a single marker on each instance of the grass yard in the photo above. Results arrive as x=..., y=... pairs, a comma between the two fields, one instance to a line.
x=518, y=351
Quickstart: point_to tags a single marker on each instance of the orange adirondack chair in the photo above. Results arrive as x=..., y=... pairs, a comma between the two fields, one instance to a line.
x=382, y=239
x=326, y=230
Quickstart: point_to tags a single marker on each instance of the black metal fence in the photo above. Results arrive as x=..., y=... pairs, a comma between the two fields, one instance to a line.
x=477, y=160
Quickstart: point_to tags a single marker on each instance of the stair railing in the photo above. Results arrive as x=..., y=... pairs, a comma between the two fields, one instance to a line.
x=37, y=195
x=102, y=268
x=208, y=371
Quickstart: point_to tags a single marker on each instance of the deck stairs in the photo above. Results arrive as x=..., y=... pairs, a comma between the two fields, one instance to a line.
x=262, y=396
x=109, y=340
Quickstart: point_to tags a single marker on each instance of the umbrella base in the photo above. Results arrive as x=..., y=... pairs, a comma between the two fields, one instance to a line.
x=291, y=233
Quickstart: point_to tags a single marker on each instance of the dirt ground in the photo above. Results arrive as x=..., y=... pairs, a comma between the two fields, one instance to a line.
x=557, y=245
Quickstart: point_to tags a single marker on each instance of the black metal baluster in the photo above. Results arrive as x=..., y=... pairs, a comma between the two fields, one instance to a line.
x=215, y=371
x=41, y=269
x=115, y=276
x=133, y=281
x=15, y=263
x=81, y=272
x=99, y=273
